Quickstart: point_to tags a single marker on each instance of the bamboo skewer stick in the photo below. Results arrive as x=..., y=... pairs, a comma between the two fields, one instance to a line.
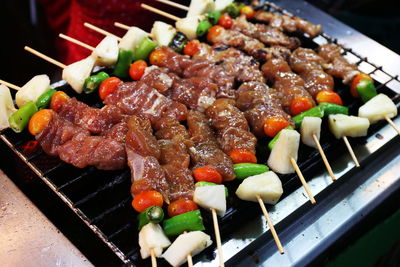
x=353, y=156
x=153, y=258
x=75, y=41
x=10, y=85
x=97, y=29
x=270, y=225
x=218, y=238
x=160, y=12
x=171, y=3
x=303, y=181
x=43, y=56
x=122, y=26
x=392, y=124
x=324, y=159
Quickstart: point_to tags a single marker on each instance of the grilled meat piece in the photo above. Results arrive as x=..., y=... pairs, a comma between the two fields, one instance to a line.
x=157, y=78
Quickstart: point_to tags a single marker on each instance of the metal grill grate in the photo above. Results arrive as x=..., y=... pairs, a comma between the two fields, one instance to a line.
x=102, y=198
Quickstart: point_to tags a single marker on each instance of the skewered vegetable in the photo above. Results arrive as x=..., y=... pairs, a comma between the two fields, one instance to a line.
x=203, y=183
x=156, y=57
x=266, y=185
x=39, y=121
x=233, y=9
x=199, y=7
x=144, y=49
x=44, y=99
x=132, y=38
x=153, y=214
x=366, y=90
x=274, y=125
x=152, y=237
x=244, y=170
x=187, y=243
x=106, y=52
x=20, y=119
x=343, y=125
x=137, y=68
x=242, y=156
x=93, y=82
x=225, y=21
x=181, y=206
x=299, y=105
x=309, y=127
x=121, y=68
x=189, y=221
x=213, y=17
x=146, y=199
x=285, y=148
x=163, y=33
x=222, y=4
x=207, y=174
x=57, y=100
x=313, y=112
x=248, y=11
x=32, y=90
x=192, y=48
x=108, y=86
x=358, y=78
x=178, y=42
x=211, y=197
x=6, y=106
x=329, y=97
x=329, y=108
x=377, y=108
x=273, y=141
x=76, y=73
x=203, y=28
x=188, y=26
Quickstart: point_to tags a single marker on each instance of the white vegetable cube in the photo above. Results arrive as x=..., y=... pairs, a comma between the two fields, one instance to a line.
x=266, y=185
x=132, y=38
x=151, y=236
x=188, y=26
x=32, y=89
x=310, y=126
x=106, y=52
x=221, y=4
x=6, y=106
x=163, y=33
x=76, y=73
x=211, y=197
x=187, y=243
x=199, y=7
x=377, y=108
x=285, y=148
x=344, y=125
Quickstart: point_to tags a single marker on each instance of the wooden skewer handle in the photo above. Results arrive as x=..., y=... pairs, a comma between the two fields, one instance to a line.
x=159, y=12
x=153, y=258
x=75, y=41
x=171, y=3
x=392, y=124
x=101, y=31
x=303, y=181
x=218, y=238
x=12, y=86
x=324, y=159
x=350, y=149
x=43, y=56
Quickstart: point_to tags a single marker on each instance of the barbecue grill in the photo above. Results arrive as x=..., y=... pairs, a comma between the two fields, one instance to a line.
x=101, y=199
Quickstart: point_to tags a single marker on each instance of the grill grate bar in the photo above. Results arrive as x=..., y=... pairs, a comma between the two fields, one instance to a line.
x=123, y=228
x=110, y=210
x=56, y=167
x=86, y=173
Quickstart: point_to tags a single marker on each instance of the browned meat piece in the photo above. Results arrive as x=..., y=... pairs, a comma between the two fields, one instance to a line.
x=266, y=34
x=308, y=64
x=117, y=132
x=170, y=129
x=157, y=78
x=205, y=151
x=338, y=66
x=288, y=24
x=136, y=98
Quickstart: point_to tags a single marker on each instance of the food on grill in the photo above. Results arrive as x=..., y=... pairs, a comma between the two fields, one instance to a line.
x=207, y=174
x=188, y=26
x=330, y=108
x=121, y=68
x=356, y=80
x=191, y=243
x=244, y=170
x=39, y=121
x=106, y=52
x=147, y=199
x=222, y=4
x=132, y=39
x=6, y=107
x=153, y=214
x=211, y=197
x=76, y=73
x=162, y=33
x=266, y=185
x=32, y=90
x=242, y=156
x=108, y=86
x=93, y=82
x=181, y=206
x=188, y=221
x=328, y=97
x=285, y=149
x=199, y=7
x=378, y=108
x=344, y=125
x=366, y=90
x=310, y=127
x=20, y=118
x=152, y=237
x=276, y=137
x=204, y=183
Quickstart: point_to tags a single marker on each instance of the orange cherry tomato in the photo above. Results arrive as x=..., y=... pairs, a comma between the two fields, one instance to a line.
x=146, y=199
x=108, y=86
x=157, y=57
x=248, y=11
x=57, y=100
x=225, y=21
x=192, y=48
x=356, y=80
x=274, y=125
x=299, y=105
x=207, y=174
x=213, y=33
x=242, y=156
x=181, y=206
x=39, y=121
x=329, y=97
x=136, y=70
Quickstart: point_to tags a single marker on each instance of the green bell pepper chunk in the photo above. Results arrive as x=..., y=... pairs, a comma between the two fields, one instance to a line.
x=121, y=68
x=312, y=112
x=273, y=141
x=44, y=99
x=366, y=90
x=329, y=108
x=203, y=28
x=244, y=170
x=93, y=82
x=213, y=17
x=146, y=46
x=204, y=183
x=20, y=118
x=153, y=214
x=189, y=221
x=234, y=9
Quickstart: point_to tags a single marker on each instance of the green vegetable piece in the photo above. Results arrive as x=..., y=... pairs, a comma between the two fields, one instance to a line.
x=204, y=183
x=44, y=99
x=312, y=112
x=244, y=170
x=203, y=28
x=233, y=9
x=329, y=108
x=273, y=141
x=20, y=119
x=121, y=68
x=152, y=214
x=189, y=221
x=145, y=47
x=93, y=82
x=213, y=17
x=366, y=90
x=178, y=42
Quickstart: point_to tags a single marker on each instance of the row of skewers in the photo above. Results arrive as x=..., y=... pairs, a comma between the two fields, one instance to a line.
x=236, y=36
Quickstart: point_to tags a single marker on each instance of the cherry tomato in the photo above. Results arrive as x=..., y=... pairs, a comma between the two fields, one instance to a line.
x=248, y=11
x=225, y=21
x=242, y=156
x=108, y=86
x=192, y=48
x=146, y=199
x=157, y=57
x=207, y=174
x=57, y=100
x=274, y=125
x=39, y=121
x=299, y=105
x=213, y=33
x=136, y=70
x=329, y=97
x=358, y=78
x=181, y=206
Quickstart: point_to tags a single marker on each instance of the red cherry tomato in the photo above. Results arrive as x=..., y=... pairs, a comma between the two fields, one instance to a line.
x=225, y=21
x=108, y=86
x=57, y=100
x=358, y=78
x=207, y=174
x=242, y=156
x=146, y=199
x=299, y=105
x=329, y=97
x=192, y=48
x=274, y=125
x=181, y=206
x=157, y=57
x=39, y=121
x=213, y=33
x=136, y=70
x=248, y=11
